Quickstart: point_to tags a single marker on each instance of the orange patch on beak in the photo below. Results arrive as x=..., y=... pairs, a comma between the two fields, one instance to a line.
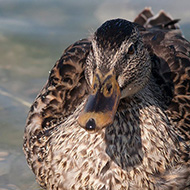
x=101, y=105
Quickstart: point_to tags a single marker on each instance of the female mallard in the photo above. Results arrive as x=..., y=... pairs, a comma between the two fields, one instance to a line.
x=115, y=112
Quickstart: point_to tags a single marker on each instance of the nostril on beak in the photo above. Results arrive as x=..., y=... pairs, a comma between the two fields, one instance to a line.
x=91, y=124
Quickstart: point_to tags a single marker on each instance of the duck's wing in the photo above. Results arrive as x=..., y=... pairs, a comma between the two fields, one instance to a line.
x=170, y=54
x=161, y=20
x=65, y=89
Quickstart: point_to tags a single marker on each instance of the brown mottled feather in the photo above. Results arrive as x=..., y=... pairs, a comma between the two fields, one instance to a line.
x=64, y=91
x=62, y=155
x=171, y=58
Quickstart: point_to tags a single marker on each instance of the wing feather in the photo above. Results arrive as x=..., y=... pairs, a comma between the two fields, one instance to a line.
x=170, y=54
x=65, y=89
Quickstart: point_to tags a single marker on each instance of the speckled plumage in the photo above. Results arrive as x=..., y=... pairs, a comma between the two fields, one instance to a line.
x=148, y=143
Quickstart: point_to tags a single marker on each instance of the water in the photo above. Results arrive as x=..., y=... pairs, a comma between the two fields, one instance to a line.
x=33, y=34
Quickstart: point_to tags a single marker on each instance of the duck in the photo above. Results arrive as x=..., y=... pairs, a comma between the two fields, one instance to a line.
x=114, y=113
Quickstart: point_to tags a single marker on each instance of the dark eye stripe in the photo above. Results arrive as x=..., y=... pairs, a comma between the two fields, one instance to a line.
x=98, y=78
x=108, y=77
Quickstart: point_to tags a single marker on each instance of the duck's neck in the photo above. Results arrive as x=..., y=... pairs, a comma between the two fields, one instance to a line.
x=141, y=133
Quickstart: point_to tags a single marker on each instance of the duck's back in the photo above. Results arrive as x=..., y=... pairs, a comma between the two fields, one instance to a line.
x=170, y=53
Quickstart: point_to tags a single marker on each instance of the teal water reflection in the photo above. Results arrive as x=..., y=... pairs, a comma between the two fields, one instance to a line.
x=33, y=34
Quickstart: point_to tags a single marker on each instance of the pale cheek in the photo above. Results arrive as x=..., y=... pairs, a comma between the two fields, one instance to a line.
x=91, y=78
x=120, y=81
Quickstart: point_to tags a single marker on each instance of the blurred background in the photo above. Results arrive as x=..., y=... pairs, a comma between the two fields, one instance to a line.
x=33, y=35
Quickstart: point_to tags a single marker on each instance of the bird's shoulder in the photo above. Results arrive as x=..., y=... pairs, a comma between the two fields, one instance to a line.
x=64, y=90
x=170, y=55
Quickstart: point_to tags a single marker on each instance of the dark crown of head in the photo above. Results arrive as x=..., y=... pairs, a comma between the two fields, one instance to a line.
x=113, y=32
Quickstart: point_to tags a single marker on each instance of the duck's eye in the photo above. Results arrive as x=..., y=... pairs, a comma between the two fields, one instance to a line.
x=109, y=88
x=131, y=50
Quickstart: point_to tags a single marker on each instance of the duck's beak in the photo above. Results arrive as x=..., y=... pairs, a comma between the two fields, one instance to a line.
x=102, y=103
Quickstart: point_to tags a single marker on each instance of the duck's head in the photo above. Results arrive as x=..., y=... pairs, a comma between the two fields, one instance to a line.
x=118, y=66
